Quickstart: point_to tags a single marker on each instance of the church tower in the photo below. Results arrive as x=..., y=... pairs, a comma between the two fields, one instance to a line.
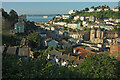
x=98, y=33
x=92, y=34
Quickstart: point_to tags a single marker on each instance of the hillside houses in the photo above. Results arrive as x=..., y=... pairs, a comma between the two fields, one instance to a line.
x=70, y=59
x=66, y=16
x=116, y=9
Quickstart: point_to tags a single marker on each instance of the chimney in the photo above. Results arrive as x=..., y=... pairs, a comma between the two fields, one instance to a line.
x=61, y=53
x=78, y=57
x=69, y=54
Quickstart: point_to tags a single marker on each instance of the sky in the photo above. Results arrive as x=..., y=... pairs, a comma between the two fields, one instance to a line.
x=50, y=7
x=60, y=0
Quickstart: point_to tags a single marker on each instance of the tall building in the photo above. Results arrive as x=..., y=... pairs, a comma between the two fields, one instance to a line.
x=96, y=36
x=98, y=33
x=92, y=34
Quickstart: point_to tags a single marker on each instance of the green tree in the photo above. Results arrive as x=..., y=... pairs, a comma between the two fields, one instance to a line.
x=84, y=29
x=115, y=28
x=13, y=15
x=86, y=9
x=69, y=50
x=99, y=66
x=36, y=41
x=89, y=29
x=4, y=14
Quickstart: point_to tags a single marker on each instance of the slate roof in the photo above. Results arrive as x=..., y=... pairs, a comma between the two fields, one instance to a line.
x=23, y=51
x=12, y=50
x=63, y=57
x=54, y=52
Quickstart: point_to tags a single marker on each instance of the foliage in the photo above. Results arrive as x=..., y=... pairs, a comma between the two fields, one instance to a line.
x=86, y=9
x=69, y=50
x=94, y=66
x=36, y=41
x=13, y=15
x=101, y=14
x=50, y=48
x=30, y=26
x=116, y=29
x=19, y=68
x=4, y=14
x=36, y=54
x=89, y=29
x=84, y=29
x=99, y=66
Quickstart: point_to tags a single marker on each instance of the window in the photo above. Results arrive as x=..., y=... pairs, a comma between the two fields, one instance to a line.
x=114, y=51
x=113, y=47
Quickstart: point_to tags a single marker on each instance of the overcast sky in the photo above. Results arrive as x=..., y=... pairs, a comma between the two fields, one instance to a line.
x=60, y=0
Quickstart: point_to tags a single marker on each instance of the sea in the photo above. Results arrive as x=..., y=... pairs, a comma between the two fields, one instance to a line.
x=37, y=11
x=40, y=18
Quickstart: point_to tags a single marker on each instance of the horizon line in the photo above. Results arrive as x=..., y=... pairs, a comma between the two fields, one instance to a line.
x=59, y=1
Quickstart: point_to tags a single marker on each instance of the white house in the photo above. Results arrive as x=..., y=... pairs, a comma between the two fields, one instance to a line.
x=116, y=9
x=66, y=16
x=92, y=18
x=72, y=12
x=77, y=17
x=117, y=20
x=84, y=23
x=60, y=23
x=99, y=9
x=106, y=9
x=82, y=18
x=59, y=16
x=74, y=25
x=91, y=10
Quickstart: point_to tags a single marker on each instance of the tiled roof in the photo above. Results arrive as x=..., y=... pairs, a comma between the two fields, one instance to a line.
x=23, y=15
x=78, y=61
x=83, y=52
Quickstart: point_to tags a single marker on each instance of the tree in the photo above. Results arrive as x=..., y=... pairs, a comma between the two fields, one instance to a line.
x=86, y=9
x=70, y=49
x=13, y=15
x=92, y=7
x=99, y=66
x=89, y=29
x=60, y=47
x=4, y=14
x=35, y=39
x=84, y=29
x=115, y=28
